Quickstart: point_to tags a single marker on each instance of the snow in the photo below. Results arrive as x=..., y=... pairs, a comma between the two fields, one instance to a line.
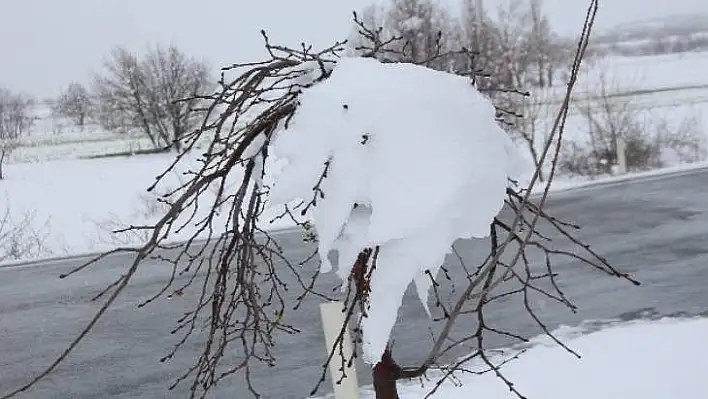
x=647, y=73
x=407, y=159
x=75, y=204
x=665, y=81
x=664, y=358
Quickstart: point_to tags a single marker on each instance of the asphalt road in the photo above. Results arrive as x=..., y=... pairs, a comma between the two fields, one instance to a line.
x=655, y=228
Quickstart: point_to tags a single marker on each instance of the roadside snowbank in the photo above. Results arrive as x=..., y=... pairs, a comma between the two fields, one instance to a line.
x=659, y=359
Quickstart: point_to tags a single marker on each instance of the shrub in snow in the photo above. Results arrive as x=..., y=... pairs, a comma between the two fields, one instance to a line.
x=395, y=156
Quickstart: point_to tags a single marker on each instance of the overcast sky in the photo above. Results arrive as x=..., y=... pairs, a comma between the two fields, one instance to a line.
x=45, y=44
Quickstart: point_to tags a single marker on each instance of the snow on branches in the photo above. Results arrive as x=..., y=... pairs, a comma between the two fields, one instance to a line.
x=403, y=158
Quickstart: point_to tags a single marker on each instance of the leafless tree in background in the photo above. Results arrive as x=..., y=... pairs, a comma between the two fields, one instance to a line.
x=513, y=30
x=685, y=141
x=120, y=95
x=424, y=29
x=20, y=238
x=237, y=280
x=75, y=103
x=479, y=33
x=175, y=84
x=516, y=48
x=610, y=116
x=546, y=51
x=414, y=30
x=159, y=95
x=532, y=124
x=15, y=122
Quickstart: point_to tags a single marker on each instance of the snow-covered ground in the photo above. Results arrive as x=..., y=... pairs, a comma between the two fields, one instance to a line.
x=76, y=146
x=647, y=73
x=656, y=359
x=73, y=205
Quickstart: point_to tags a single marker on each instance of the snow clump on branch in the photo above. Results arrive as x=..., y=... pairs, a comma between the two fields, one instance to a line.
x=398, y=156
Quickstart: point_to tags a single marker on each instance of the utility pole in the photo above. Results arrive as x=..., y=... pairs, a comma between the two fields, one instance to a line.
x=343, y=374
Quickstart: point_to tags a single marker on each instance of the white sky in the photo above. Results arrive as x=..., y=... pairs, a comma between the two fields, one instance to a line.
x=45, y=44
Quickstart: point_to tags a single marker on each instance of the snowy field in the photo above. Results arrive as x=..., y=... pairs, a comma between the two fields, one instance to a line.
x=76, y=145
x=52, y=138
x=659, y=89
x=656, y=359
x=74, y=205
x=647, y=73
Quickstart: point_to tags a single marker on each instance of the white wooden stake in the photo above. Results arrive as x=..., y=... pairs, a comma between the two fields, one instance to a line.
x=332, y=321
x=621, y=156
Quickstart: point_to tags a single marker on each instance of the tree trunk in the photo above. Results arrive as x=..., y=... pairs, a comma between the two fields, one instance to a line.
x=385, y=374
x=386, y=371
x=177, y=140
x=2, y=161
x=537, y=162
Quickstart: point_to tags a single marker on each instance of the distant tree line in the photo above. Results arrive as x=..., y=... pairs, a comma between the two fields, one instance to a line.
x=517, y=52
x=516, y=47
x=157, y=94
x=15, y=122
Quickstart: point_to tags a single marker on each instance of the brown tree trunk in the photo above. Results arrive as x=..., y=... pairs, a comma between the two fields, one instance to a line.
x=386, y=372
x=2, y=162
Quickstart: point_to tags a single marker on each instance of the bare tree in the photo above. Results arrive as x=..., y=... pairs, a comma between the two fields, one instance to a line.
x=611, y=116
x=480, y=33
x=414, y=30
x=531, y=125
x=515, y=49
x=175, y=83
x=159, y=95
x=513, y=29
x=20, y=238
x=544, y=51
x=423, y=27
x=15, y=122
x=74, y=103
x=241, y=296
x=686, y=142
x=120, y=95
